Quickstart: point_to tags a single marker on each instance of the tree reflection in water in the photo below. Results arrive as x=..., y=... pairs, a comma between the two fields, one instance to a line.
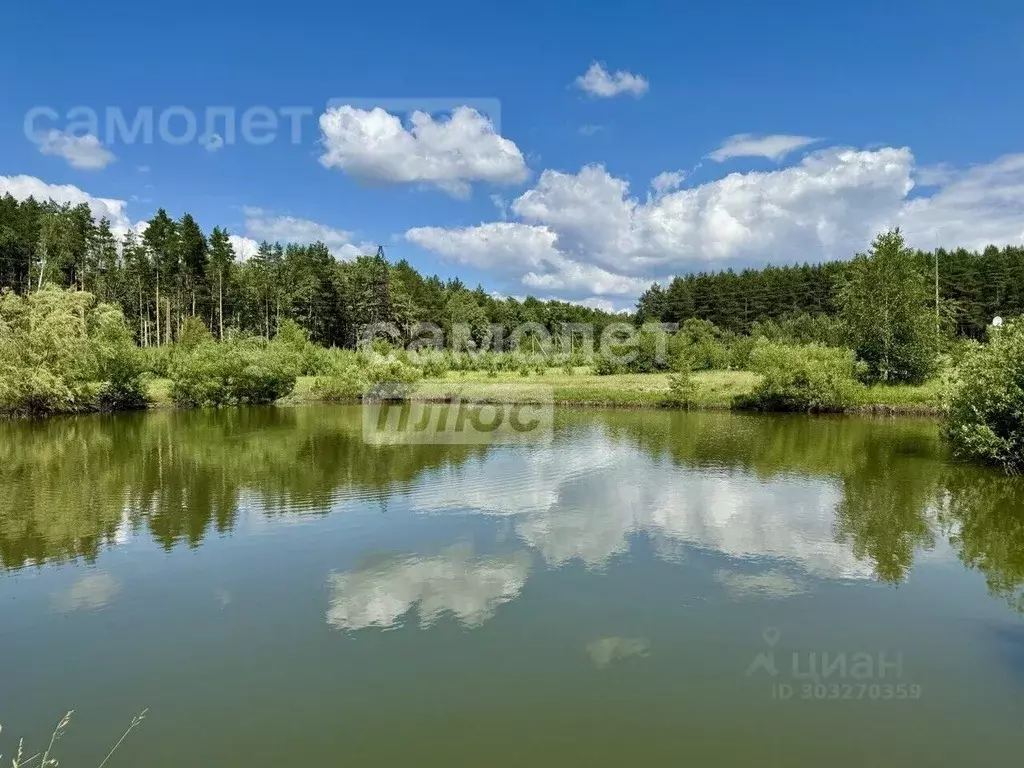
x=69, y=487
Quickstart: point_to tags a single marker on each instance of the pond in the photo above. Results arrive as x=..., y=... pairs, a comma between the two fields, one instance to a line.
x=649, y=588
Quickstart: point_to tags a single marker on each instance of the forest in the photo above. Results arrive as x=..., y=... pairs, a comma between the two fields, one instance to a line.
x=175, y=270
x=977, y=287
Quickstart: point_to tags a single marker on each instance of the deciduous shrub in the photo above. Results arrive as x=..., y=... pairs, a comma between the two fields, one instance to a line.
x=806, y=378
x=119, y=362
x=62, y=353
x=606, y=365
x=739, y=349
x=393, y=377
x=698, y=345
x=341, y=385
x=158, y=360
x=239, y=371
x=647, y=352
x=434, y=366
x=681, y=389
x=193, y=333
x=985, y=418
x=388, y=377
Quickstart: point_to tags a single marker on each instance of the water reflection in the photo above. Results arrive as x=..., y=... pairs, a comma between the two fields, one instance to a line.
x=70, y=486
x=588, y=498
x=605, y=650
x=90, y=592
x=454, y=581
x=801, y=498
x=983, y=514
x=767, y=584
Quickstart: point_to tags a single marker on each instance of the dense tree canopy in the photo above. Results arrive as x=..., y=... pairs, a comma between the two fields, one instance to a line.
x=174, y=271
x=976, y=286
x=884, y=301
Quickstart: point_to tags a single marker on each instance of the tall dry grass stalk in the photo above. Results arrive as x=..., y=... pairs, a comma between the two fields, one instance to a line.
x=45, y=758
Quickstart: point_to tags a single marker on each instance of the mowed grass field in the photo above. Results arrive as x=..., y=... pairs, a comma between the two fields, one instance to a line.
x=713, y=389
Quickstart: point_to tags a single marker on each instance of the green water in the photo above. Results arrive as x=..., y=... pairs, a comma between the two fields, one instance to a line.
x=279, y=593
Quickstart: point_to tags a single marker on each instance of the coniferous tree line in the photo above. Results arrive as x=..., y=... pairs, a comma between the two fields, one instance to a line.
x=175, y=271
x=976, y=287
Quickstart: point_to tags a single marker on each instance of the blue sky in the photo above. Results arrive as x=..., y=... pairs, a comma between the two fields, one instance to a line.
x=912, y=108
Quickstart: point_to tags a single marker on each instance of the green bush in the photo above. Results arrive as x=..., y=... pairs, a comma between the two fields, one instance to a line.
x=200, y=377
x=244, y=371
x=120, y=365
x=698, y=345
x=313, y=360
x=434, y=365
x=739, y=350
x=193, y=333
x=985, y=418
x=649, y=353
x=158, y=360
x=807, y=378
x=341, y=385
x=45, y=360
x=681, y=389
x=607, y=365
x=392, y=378
x=62, y=353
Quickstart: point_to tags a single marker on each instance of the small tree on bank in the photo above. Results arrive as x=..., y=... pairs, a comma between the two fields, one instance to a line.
x=986, y=401
x=889, y=309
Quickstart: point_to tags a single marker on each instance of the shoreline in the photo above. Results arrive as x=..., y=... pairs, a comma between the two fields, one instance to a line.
x=878, y=409
x=714, y=391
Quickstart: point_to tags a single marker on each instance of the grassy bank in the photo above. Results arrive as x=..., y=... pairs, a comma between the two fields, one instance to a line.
x=713, y=390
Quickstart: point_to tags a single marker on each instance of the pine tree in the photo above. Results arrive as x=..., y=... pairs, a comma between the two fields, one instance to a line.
x=221, y=259
x=161, y=238
x=194, y=256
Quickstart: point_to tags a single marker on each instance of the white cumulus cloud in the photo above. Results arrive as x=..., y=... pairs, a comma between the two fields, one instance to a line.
x=585, y=234
x=500, y=245
x=599, y=82
x=666, y=181
x=24, y=187
x=265, y=225
x=244, y=247
x=86, y=153
x=975, y=207
x=523, y=250
x=449, y=153
x=774, y=147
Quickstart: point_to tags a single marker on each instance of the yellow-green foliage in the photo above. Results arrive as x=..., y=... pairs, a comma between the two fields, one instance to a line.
x=234, y=372
x=60, y=352
x=368, y=373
